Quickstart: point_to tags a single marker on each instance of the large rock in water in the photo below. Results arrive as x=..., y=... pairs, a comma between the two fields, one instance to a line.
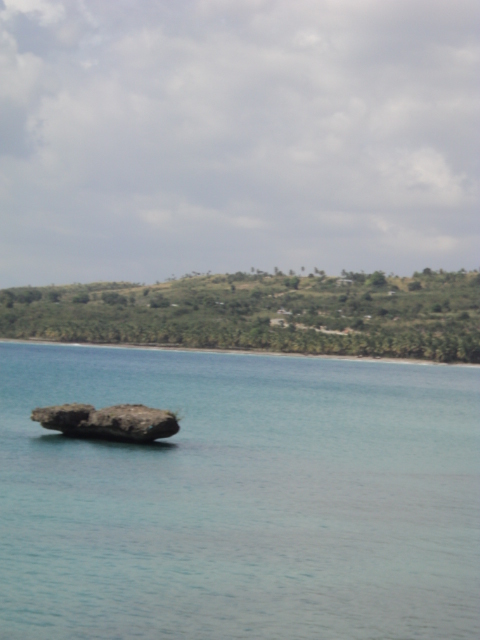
x=123, y=422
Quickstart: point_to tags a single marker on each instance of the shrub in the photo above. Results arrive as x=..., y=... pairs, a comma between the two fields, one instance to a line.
x=239, y=276
x=159, y=302
x=414, y=286
x=8, y=298
x=81, y=298
x=377, y=279
x=26, y=296
x=113, y=298
x=53, y=296
x=292, y=283
x=356, y=277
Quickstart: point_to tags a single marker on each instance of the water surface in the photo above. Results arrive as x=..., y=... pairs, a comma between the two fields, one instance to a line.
x=302, y=499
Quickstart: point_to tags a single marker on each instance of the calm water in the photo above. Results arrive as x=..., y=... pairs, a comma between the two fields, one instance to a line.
x=302, y=499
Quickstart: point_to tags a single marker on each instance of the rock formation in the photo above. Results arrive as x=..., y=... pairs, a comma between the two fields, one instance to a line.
x=122, y=422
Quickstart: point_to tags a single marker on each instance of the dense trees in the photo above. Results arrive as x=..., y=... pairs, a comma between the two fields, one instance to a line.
x=113, y=298
x=435, y=315
x=377, y=279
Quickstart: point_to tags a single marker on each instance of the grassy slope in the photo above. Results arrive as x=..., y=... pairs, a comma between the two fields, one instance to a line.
x=438, y=321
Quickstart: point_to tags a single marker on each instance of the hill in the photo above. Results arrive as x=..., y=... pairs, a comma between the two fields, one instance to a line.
x=433, y=315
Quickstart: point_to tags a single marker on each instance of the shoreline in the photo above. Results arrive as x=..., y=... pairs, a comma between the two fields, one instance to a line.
x=252, y=352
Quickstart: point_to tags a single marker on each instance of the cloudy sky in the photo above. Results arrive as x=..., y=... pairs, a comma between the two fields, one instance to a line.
x=144, y=138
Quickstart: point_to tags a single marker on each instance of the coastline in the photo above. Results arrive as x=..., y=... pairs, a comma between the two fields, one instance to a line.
x=251, y=352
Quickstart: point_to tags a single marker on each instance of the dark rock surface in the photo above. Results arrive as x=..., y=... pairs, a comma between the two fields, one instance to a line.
x=123, y=422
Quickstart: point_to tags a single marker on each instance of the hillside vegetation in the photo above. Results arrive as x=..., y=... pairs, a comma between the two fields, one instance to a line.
x=432, y=315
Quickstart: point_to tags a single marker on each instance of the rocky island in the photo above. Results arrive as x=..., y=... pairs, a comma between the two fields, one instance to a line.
x=122, y=422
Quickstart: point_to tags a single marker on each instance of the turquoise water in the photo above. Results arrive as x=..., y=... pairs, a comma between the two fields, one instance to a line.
x=302, y=499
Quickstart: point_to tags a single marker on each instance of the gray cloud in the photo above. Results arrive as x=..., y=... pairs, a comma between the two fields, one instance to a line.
x=143, y=139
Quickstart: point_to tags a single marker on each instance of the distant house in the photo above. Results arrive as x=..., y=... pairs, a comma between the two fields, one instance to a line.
x=344, y=281
x=392, y=293
x=284, y=312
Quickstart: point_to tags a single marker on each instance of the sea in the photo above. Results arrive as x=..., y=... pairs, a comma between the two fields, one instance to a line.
x=303, y=498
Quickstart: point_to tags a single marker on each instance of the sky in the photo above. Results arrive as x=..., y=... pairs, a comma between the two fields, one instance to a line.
x=141, y=139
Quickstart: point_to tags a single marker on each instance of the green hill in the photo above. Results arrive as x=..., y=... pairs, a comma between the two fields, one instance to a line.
x=432, y=315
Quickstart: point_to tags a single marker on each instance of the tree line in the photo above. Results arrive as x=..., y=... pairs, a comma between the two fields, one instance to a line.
x=432, y=315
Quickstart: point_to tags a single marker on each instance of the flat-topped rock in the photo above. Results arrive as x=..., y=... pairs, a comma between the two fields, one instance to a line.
x=122, y=422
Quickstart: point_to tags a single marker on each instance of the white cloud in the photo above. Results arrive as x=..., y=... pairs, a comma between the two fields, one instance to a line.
x=156, y=217
x=19, y=72
x=245, y=222
x=47, y=13
x=423, y=176
x=412, y=240
x=245, y=132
